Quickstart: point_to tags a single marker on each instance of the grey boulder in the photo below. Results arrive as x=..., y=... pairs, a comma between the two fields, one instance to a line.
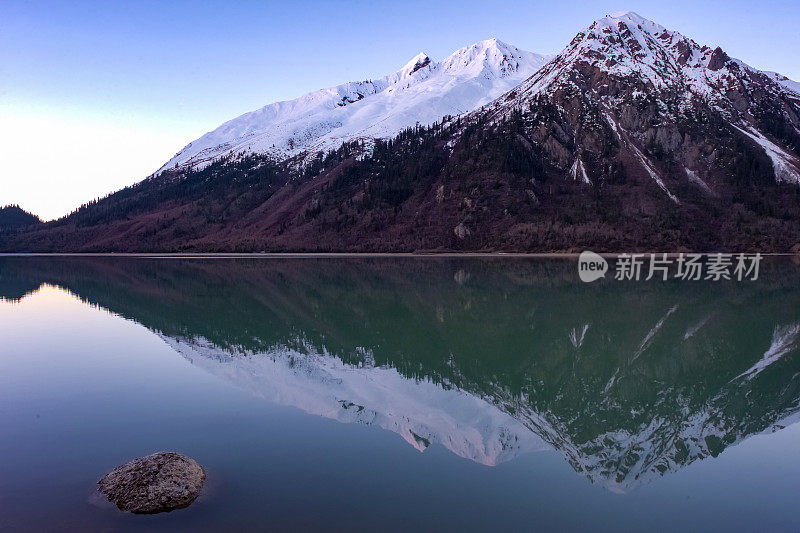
x=159, y=482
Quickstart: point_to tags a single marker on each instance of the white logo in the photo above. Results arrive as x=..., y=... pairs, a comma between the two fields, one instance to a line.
x=692, y=267
x=591, y=266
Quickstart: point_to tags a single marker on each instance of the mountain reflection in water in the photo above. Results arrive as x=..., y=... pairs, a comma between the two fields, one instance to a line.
x=489, y=358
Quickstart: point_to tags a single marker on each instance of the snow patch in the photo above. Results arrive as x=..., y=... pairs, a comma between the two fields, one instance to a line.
x=653, y=174
x=577, y=171
x=697, y=180
x=785, y=166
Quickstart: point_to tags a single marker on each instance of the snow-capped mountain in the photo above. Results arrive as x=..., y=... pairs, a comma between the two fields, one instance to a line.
x=422, y=92
x=633, y=138
x=631, y=79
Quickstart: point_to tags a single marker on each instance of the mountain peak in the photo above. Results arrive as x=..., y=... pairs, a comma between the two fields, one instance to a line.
x=491, y=58
x=628, y=15
x=490, y=44
x=625, y=44
x=417, y=62
x=630, y=19
x=494, y=42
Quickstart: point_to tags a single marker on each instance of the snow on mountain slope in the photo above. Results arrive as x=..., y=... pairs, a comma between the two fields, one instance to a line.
x=422, y=92
x=783, y=80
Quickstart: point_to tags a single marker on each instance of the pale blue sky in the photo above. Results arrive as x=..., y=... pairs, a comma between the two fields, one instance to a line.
x=96, y=95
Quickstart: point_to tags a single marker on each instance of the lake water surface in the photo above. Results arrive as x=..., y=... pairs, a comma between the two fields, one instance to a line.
x=400, y=394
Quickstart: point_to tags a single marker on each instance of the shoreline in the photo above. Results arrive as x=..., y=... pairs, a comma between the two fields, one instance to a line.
x=285, y=255
x=345, y=255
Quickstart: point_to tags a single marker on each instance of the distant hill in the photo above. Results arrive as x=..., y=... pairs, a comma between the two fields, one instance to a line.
x=13, y=216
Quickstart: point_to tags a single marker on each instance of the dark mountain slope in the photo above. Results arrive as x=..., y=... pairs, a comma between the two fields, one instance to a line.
x=493, y=189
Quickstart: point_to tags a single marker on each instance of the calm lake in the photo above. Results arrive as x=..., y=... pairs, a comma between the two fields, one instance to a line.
x=400, y=394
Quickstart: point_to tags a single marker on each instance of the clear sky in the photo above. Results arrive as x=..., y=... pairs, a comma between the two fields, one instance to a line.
x=97, y=95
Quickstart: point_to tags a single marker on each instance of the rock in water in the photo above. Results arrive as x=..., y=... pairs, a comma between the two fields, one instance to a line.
x=159, y=482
